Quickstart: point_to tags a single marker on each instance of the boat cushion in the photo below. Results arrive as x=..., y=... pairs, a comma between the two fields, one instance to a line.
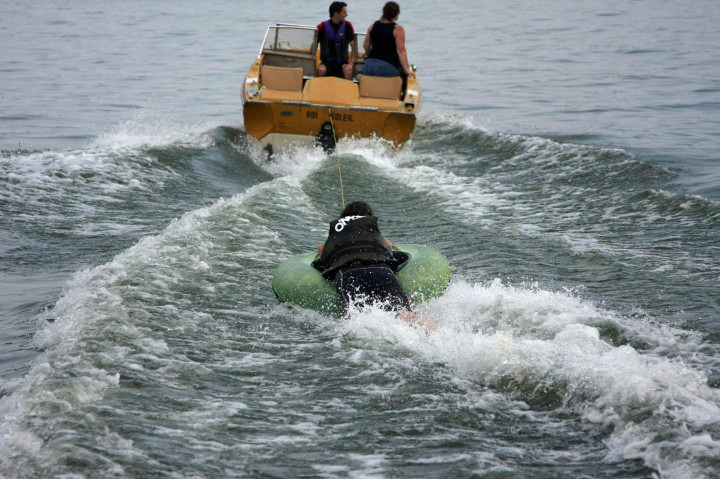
x=330, y=91
x=281, y=78
x=380, y=87
x=280, y=95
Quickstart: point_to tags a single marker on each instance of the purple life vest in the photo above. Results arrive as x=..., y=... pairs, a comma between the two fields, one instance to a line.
x=335, y=48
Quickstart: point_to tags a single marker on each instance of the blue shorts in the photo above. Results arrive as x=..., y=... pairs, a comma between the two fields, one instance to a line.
x=380, y=68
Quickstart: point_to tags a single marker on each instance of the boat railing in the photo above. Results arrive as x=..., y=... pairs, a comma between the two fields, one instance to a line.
x=290, y=46
x=292, y=38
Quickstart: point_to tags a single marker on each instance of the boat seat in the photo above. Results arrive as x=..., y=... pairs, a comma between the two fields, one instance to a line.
x=290, y=60
x=281, y=78
x=380, y=87
x=330, y=91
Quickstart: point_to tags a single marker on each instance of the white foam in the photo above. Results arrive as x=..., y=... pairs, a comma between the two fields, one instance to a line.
x=297, y=161
x=433, y=121
x=534, y=340
x=78, y=184
x=113, y=167
x=376, y=151
x=469, y=199
x=294, y=162
x=151, y=128
x=369, y=466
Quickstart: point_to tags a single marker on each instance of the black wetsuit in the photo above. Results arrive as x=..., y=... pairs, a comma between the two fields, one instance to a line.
x=370, y=284
x=358, y=258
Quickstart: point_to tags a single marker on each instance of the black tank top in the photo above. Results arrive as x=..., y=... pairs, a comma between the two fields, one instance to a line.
x=383, y=45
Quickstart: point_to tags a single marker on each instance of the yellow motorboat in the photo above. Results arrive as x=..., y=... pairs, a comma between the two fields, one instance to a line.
x=284, y=102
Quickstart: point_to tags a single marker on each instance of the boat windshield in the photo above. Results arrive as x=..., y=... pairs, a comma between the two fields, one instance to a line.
x=360, y=37
x=290, y=38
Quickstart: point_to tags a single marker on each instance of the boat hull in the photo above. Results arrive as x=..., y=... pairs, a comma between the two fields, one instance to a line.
x=280, y=123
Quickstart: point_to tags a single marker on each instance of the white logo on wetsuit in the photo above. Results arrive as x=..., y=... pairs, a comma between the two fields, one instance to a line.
x=343, y=221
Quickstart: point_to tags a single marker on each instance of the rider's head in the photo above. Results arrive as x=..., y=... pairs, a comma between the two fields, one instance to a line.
x=356, y=208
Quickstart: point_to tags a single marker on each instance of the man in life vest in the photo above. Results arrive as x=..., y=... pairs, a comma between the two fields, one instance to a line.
x=357, y=257
x=334, y=36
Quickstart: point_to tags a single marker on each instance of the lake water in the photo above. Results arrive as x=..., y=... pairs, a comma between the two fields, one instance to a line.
x=565, y=162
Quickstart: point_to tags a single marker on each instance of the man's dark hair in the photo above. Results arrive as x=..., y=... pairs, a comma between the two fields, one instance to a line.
x=356, y=208
x=391, y=10
x=336, y=7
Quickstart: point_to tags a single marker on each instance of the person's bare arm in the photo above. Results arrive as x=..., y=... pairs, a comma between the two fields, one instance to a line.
x=418, y=320
x=366, y=43
x=399, y=34
x=353, y=51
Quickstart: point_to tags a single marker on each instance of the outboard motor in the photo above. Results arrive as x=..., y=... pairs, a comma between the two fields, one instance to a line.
x=326, y=137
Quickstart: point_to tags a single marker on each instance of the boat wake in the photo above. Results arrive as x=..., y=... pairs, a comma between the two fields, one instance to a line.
x=562, y=357
x=561, y=320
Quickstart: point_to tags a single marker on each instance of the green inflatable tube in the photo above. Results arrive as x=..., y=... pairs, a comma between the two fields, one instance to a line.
x=424, y=276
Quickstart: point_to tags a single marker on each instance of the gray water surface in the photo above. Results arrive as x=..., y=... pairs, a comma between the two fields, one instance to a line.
x=565, y=163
